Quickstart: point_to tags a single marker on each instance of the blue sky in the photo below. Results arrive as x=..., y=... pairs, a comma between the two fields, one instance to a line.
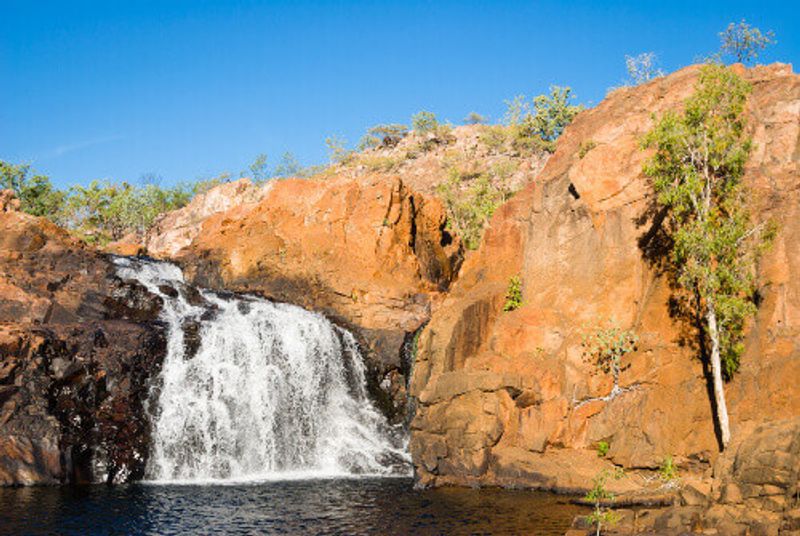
x=189, y=89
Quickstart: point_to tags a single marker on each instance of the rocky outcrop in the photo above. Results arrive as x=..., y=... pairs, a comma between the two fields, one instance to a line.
x=755, y=491
x=77, y=348
x=371, y=254
x=177, y=229
x=508, y=397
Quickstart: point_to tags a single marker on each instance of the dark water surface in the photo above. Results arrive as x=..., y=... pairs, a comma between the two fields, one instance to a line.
x=339, y=506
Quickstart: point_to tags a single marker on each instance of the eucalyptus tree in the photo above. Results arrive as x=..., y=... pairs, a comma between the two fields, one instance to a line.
x=696, y=171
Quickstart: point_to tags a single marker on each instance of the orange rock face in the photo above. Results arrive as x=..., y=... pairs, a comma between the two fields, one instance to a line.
x=176, y=229
x=369, y=253
x=503, y=394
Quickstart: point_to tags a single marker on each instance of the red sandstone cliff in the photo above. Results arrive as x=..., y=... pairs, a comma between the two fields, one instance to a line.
x=506, y=398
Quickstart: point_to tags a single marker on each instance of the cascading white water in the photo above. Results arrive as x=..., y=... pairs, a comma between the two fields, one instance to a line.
x=272, y=391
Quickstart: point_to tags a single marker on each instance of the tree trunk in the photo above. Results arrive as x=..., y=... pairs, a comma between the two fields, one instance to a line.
x=716, y=372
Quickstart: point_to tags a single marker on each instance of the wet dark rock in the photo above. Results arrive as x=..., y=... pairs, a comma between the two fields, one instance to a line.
x=79, y=348
x=209, y=314
x=168, y=291
x=193, y=296
x=131, y=301
x=191, y=338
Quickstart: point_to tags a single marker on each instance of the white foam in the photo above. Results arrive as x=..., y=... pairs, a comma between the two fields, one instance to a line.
x=274, y=392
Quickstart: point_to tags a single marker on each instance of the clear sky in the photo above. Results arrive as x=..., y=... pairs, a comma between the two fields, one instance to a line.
x=188, y=89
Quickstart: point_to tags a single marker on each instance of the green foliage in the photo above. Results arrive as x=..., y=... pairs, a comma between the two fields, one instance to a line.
x=36, y=193
x=379, y=163
x=337, y=149
x=668, y=471
x=102, y=211
x=605, y=348
x=744, y=42
x=474, y=118
x=585, y=147
x=288, y=167
x=697, y=174
x=538, y=124
x=513, y=294
x=383, y=136
x=259, y=171
x=99, y=212
x=553, y=113
x=471, y=199
x=599, y=496
x=602, y=448
x=517, y=109
x=495, y=137
x=642, y=68
x=424, y=122
x=415, y=343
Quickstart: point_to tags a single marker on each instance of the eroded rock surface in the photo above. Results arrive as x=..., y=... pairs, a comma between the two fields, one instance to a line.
x=77, y=347
x=177, y=229
x=754, y=491
x=503, y=395
x=370, y=254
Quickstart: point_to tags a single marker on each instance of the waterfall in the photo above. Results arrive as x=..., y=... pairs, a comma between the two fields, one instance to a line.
x=251, y=390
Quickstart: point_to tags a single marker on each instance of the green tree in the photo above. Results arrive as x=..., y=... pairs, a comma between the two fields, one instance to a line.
x=642, y=68
x=696, y=171
x=424, y=122
x=552, y=113
x=337, y=150
x=517, y=109
x=89, y=209
x=204, y=185
x=539, y=123
x=744, y=42
x=383, y=136
x=471, y=201
x=288, y=166
x=599, y=497
x=474, y=118
x=259, y=170
x=35, y=192
x=604, y=348
x=104, y=211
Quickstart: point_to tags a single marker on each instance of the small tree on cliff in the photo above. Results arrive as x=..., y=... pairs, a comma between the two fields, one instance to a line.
x=697, y=174
x=744, y=42
x=642, y=68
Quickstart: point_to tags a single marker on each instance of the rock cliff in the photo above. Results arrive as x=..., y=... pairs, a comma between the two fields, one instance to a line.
x=507, y=398
x=370, y=254
x=77, y=347
x=366, y=242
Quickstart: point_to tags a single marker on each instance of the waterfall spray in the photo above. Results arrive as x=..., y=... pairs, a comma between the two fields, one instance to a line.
x=269, y=391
